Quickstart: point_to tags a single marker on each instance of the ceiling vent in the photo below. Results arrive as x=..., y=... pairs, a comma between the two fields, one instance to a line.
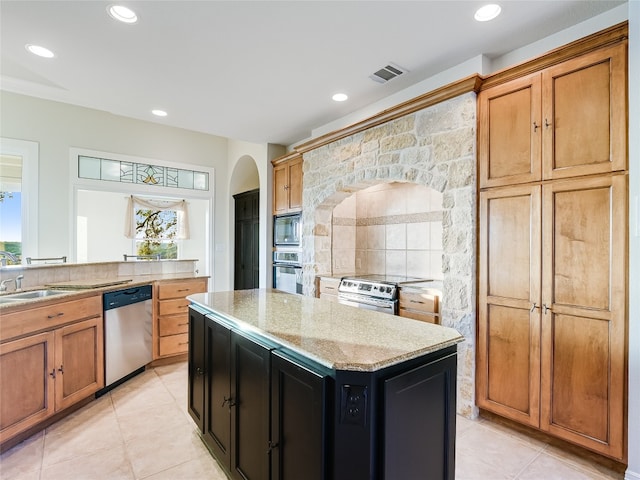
x=388, y=72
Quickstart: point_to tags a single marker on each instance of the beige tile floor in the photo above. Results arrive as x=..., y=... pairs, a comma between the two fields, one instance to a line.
x=141, y=430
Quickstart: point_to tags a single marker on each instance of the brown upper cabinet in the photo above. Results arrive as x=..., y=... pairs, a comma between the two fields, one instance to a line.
x=287, y=185
x=565, y=121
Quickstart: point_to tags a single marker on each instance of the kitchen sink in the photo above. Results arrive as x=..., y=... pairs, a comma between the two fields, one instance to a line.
x=16, y=297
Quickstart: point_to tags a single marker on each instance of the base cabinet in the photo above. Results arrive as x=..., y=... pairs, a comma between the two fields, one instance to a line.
x=259, y=413
x=44, y=373
x=170, y=331
x=266, y=413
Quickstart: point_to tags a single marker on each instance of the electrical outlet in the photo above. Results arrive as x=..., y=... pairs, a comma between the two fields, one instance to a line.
x=354, y=405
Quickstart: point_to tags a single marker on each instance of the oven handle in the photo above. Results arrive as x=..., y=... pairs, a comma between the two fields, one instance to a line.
x=362, y=303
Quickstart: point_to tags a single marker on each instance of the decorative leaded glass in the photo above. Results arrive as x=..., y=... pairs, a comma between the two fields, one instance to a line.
x=130, y=172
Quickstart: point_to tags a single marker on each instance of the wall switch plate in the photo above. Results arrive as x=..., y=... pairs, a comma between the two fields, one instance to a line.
x=353, y=405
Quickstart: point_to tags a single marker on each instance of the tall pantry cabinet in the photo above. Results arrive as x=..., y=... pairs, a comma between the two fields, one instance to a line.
x=552, y=347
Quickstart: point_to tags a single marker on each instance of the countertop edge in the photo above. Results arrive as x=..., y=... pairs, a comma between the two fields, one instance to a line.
x=356, y=367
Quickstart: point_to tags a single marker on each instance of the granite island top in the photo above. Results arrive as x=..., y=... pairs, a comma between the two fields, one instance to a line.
x=337, y=336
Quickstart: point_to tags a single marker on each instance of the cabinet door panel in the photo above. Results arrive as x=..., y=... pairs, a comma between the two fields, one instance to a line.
x=583, y=329
x=585, y=131
x=217, y=426
x=512, y=368
x=508, y=354
x=295, y=185
x=580, y=371
x=27, y=393
x=79, y=361
x=250, y=370
x=280, y=187
x=509, y=142
x=197, y=368
x=298, y=423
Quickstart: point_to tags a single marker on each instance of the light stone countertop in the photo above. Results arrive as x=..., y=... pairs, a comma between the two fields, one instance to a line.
x=337, y=336
x=69, y=293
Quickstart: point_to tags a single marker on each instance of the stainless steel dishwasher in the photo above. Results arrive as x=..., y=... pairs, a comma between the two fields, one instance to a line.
x=127, y=334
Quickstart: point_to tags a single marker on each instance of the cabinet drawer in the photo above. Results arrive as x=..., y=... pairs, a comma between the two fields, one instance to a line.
x=174, y=344
x=329, y=287
x=423, y=302
x=171, y=307
x=418, y=315
x=45, y=318
x=173, y=324
x=181, y=289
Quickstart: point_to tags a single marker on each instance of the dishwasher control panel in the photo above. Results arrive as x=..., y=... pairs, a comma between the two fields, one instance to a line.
x=121, y=298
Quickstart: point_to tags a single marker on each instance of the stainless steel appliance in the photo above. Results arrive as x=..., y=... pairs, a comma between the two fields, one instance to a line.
x=287, y=271
x=373, y=292
x=287, y=230
x=127, y=333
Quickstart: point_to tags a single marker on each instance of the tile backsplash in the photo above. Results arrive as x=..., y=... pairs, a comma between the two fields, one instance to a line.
x=393, y=229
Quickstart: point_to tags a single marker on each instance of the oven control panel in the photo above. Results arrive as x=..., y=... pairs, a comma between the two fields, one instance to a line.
x=370, y=289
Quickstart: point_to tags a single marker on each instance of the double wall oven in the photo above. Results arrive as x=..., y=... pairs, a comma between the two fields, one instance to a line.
x=287, y=260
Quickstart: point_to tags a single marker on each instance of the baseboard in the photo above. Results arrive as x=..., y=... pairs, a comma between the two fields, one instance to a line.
x=629, y=475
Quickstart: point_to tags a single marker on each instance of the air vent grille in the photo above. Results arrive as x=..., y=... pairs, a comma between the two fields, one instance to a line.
x=386, y=73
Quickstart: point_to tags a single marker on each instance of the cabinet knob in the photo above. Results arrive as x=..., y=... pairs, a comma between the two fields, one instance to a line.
x=61, y=369
x=535, y=127
x=272, y=445
x=545, y=308
x=546, y=123
x=533, y=307
x=286, y=187
x=199, y=371
x=53, y=373
x=229, y=401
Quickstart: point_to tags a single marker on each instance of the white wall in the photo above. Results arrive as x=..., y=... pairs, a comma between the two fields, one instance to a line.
x=58, y=127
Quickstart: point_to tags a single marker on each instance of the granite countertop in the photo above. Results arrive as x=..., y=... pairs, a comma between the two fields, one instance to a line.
x=337, y=336
x=77, y=289
x=428, y=285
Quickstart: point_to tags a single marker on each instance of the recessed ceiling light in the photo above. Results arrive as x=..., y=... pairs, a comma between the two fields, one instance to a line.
x=339, y=97
x=40, y=51
x=123, y=14
x=159, y=113
x=488, y=12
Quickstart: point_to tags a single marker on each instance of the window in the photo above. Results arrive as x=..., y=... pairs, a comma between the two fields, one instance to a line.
x=156, y=232
x=18, y=198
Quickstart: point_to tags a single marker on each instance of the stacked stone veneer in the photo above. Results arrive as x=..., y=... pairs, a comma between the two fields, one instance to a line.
x=433, y=147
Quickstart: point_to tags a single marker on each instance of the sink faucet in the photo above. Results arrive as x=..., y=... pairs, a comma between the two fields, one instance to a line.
x=19, y=282
x=3, y=284
x=8, y=255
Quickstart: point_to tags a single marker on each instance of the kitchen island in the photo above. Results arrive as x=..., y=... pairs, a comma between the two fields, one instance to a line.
x=288, y=386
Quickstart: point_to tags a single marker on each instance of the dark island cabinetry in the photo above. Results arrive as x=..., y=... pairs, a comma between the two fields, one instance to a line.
x=267, y=410
x=260, y=413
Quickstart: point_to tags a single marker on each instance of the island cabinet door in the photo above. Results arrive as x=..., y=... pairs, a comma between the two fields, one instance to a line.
x=420, y=422
x=197, y=367
x=250, y=390
x=298, y=423
x=218, y=399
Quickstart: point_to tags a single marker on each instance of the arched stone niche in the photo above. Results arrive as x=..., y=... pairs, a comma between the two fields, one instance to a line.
x=435, y=147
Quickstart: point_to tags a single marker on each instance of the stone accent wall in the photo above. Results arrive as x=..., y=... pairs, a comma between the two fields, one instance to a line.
x=435, y=147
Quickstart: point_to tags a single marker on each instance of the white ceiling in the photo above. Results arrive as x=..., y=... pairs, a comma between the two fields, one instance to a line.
x=260, y=71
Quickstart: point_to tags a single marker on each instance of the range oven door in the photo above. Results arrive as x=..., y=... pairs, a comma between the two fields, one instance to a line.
x=385, y=306
x=287, y=278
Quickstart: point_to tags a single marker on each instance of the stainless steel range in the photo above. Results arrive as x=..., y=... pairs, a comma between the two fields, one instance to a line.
x=373, y=292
